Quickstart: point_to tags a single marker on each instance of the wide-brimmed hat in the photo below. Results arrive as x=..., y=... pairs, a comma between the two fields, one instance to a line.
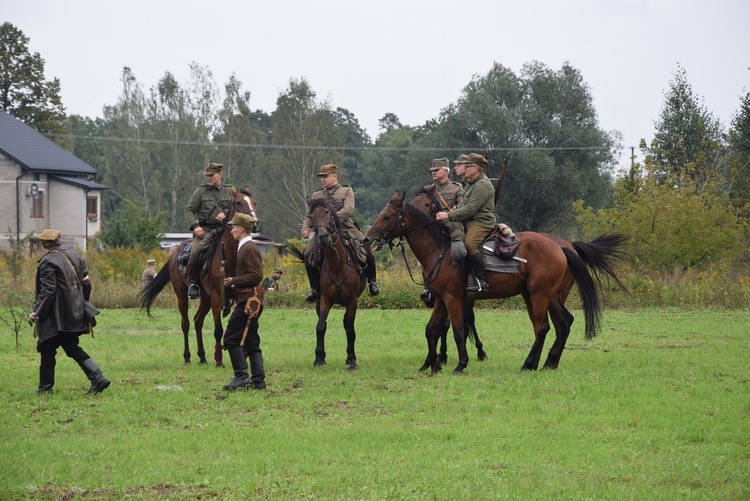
x=278, y=271
x=439, y=163
x=328, y=169
x=49, y=235
x=477, y=159
x=245, y=220
x=462, y=159
x=213, y=168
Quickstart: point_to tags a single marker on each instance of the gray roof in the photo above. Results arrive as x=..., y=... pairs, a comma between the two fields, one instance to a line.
x=80, y=182
x=35, y=153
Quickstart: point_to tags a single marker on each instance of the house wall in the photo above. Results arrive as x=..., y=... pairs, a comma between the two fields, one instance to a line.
x=64, y=207
x=68, y=213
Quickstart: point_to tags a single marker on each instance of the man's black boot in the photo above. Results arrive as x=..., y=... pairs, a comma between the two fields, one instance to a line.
x=46, y=380
x=99, y=381
x=239, y=364
x=257, y=372
x=477, y=267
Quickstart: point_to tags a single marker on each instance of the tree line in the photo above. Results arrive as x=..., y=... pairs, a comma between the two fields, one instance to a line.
x=150, y=148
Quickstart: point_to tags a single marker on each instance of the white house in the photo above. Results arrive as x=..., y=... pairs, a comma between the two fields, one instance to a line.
x=44, y=186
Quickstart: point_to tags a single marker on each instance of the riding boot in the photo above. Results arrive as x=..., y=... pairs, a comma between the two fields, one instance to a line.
x=477, y=267
x=239, y=364
x=46, y=379
x=313, y=275
x=98, y=380
x=371, y=273
x=193, y=291
x=257, y=372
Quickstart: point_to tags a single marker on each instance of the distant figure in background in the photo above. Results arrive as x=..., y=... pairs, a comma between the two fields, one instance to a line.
x=62, y=286
x=272, y=283
x=149, y=273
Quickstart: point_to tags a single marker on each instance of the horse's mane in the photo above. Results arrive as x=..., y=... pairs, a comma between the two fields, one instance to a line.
x=319, y=202
x=434, y=229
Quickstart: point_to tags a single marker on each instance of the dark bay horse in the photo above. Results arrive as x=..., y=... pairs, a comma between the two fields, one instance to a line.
x=212, y=295
x=341, y=278
x=540, y=280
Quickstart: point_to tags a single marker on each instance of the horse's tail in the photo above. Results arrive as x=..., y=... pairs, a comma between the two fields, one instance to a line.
x=592, y=310
x=602, y=255
x=298, y=253
x=154, y=287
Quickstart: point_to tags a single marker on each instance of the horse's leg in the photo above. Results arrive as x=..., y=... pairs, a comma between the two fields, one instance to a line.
x=443, y=335
x=351, y=336
x=536, y=307
x=182, y=305
x=470, y=321
x=456, y=312
x=432, y=333
x=198, y=318
x=562, y=319
x=218, y=331
x=320, y=330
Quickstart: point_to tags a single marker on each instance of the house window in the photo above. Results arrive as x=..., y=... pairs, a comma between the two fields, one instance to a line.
x=92, y=205
x=37, y=205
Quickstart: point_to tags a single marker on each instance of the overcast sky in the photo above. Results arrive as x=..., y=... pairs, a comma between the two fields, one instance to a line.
x=411, y=58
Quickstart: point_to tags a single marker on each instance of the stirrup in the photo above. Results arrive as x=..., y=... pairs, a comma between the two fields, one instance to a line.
x=479, y=286
x=374, y=290
x=193, y=291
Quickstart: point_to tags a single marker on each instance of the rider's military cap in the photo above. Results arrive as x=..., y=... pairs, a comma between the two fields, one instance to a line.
x=439, y=163
x=462, y=159
x=477, y=159
x=328, y=169
x=213, y=168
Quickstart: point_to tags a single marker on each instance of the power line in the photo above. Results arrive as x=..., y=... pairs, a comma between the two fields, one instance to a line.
x=312, y=147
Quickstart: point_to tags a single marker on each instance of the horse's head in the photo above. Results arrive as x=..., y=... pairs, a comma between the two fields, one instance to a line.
x=389, y=223
x=244, y=203
x=426, y=200
x=323, y=219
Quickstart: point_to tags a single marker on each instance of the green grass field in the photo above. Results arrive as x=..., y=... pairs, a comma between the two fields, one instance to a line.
x=656, y=407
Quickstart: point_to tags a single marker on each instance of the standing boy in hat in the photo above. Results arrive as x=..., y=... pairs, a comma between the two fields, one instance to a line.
x=62, y=285
x=205, y=211
x=149, y=273
x=341, y=200
x=476, y=211
x=249, y=275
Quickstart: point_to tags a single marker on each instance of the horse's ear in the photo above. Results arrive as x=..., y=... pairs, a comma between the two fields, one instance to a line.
x=246, y=190
x=401, y=198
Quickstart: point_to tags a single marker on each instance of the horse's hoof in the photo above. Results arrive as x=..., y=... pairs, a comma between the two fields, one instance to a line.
x=204, y=361
x=482, y=357
x=458, y=372
x=352, y=367
x=219, y=364
x=187, y=362
x=319, y=363
x=424, y=368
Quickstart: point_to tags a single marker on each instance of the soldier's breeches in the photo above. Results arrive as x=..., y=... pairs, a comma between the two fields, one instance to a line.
x=475, y=233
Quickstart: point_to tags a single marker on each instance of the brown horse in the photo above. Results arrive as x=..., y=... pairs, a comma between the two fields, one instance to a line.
x=213, y=293
x=341, y=278
x=540, y=281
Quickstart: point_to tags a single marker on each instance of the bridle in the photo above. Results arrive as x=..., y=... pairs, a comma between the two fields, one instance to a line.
x=386, y=238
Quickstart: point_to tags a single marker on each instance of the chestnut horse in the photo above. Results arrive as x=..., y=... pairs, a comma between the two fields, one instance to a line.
x=213, y=292
x=426, y=200
x=540, y=281
x=341, y=278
